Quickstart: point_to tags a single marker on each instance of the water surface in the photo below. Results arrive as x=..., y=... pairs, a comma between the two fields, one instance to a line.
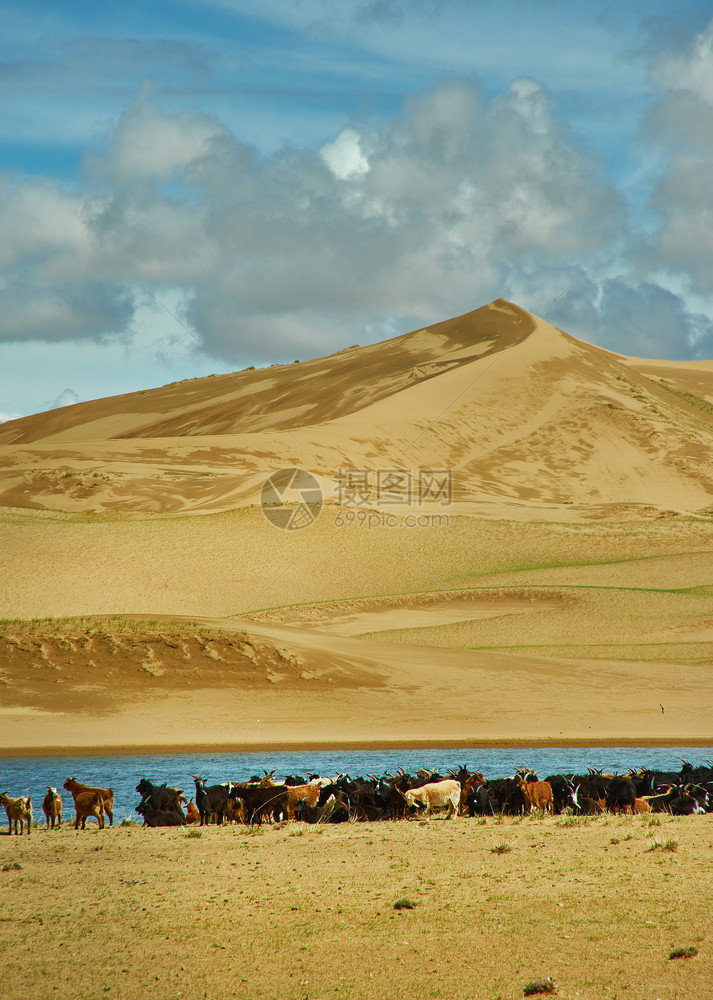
x=31, y=775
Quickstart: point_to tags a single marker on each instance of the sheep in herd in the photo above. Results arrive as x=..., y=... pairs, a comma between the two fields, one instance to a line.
x=18, y=811
x=52, y=807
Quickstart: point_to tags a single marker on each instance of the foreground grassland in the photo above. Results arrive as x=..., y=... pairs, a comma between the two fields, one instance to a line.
x=292, y=912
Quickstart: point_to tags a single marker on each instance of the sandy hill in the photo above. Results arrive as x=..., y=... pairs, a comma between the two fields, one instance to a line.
x=564, y=594
x=520, y=411
x=523, y=414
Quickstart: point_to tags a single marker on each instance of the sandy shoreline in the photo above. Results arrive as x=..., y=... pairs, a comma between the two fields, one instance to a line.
x=348, y=745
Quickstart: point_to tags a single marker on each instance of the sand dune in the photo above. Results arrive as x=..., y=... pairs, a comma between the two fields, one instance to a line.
x=527, y=418
x=563, y=591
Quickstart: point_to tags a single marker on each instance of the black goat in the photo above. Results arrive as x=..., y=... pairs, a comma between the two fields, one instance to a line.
x=331, y=812
x=270, y=802
x=160, y=797
x=211, y=801
x=620, y=794
x=159, y=817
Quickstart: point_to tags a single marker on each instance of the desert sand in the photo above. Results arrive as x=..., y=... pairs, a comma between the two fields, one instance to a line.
x=557, y=589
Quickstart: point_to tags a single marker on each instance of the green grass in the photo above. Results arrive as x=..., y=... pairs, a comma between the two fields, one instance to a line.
x=683, y=953
x=670, y=845
x=688, y=397
x=574, y=820
x=528, y=567
x=103, y=625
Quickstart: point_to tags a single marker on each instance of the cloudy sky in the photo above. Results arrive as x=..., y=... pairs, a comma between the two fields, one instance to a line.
x=195, y=187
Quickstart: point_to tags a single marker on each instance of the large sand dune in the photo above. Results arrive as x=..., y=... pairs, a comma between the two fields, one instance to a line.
x=563, y=592
x=522, y=413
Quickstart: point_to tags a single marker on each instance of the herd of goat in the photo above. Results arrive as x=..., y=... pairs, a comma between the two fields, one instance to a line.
x=314, y=799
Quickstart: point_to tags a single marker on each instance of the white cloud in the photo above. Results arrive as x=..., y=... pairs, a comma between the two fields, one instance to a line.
x=690, y=70
x=452, y=201
x=41, y=225
x=344, y=156
x=681, y=126
x=150, y=147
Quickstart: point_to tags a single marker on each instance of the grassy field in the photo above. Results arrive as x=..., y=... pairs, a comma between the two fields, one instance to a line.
x=293, y=912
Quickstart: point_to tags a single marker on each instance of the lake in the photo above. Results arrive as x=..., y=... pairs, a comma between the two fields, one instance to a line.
x=31, y=775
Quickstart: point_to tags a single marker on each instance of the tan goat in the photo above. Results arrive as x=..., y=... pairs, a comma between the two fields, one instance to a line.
x=192, y=814
x=295, y=793
x=435, y=795
x=18, y=811
x=52, y=807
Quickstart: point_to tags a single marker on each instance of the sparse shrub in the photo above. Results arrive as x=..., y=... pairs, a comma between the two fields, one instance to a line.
x=539, y=986
x=404, y=904
x=502, y=848
x=570, y=820
x=683, y=953
x=193, y=833
x=253, y=830
x=666, y=845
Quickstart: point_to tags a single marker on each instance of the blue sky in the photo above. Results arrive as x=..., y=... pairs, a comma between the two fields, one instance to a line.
x=197, y=187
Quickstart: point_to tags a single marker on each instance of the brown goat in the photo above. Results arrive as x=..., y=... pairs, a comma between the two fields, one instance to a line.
x=52, y=807
x=537, y=795
x=192, y=814
x=106, y=794
x=89, y=804
x=474, y=780
x=18, y=811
